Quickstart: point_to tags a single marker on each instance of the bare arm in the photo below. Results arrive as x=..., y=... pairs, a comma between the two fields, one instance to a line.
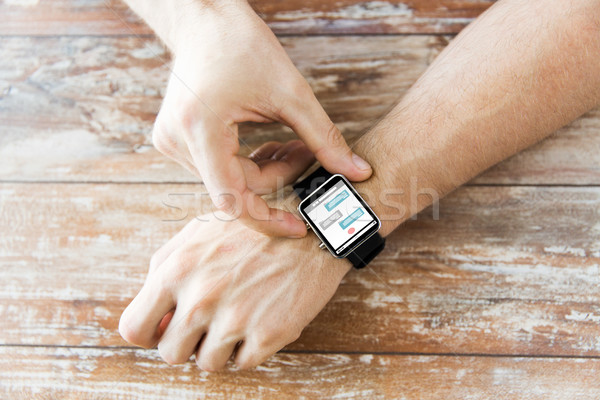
x=518, y=73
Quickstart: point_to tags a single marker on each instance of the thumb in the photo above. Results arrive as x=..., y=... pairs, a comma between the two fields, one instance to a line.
x=312, y=124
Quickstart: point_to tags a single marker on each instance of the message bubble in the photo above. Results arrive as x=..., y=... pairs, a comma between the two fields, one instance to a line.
x=351, y=218
x=330, y=220
x=337, y=200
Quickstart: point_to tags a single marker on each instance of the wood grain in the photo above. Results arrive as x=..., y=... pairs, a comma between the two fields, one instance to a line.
x=505, y=270
x=81, y=109
x=74, y=373
x=112, y=17
x=456, y=308
x=369, y=17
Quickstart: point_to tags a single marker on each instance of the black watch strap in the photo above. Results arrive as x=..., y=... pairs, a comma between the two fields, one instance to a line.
x=370, y=248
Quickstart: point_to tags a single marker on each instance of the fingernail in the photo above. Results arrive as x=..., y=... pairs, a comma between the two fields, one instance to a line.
x=360, y=163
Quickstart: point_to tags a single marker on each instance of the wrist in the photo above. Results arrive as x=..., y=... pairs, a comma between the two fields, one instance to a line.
x=400, y=186
x=341, y=220
x=289, y=202
x=200, y=23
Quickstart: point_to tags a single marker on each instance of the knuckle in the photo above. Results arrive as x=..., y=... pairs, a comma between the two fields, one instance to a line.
x=228, y=203
x=248, y=361
x=232, y=322
x=163, y=141
x=224, y=203
x=187, y=116
x=170, y=356
x=154, y=261
x=234, y=329
x=208, y=364
x=174, y=272
x=201, y=310
x=162, y=286
x=179, y=260
x=263, y=340
x=332, y=140
x=333, y=136
x=212, y=358
x=276, y=337
x=200, y=313
x=181, y=109
x=251, y=358
x=132, y=334
x=267, y=337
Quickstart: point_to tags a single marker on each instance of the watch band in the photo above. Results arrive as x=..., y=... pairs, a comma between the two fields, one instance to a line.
x=370, y=248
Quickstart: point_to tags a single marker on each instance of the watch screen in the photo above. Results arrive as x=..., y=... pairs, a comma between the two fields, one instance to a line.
x=340, y=216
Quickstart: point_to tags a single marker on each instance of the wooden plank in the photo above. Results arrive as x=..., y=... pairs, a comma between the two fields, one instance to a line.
x=369, y=17
x=140, y=374
x=93, y=101
x=112, y=17
x=562, y=158
x=69, y=17
x=505, y=270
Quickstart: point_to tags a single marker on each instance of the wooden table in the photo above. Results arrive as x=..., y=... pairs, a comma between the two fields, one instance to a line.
x=498, y=299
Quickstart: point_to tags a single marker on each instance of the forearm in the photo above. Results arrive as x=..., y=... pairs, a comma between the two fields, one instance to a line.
x=174, y=20
x=518, y=73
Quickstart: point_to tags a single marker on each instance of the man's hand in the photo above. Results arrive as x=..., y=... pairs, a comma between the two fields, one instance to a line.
x=230, y=68
x=522, y=70
x=227, y=284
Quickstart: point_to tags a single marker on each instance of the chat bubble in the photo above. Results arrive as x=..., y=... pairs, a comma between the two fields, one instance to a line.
x=336, y=200
x=351, y=218
x=330, y=220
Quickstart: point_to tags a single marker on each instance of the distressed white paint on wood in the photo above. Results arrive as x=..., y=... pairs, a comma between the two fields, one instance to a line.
x=112, y=17
x=505, y=270
x=76, y=373
x=81, y=109
x=371, y=17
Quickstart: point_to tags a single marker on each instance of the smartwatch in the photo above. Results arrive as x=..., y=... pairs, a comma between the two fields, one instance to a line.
x=341, y=218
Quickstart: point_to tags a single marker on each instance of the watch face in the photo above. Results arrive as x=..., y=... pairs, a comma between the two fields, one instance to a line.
x=339, y=216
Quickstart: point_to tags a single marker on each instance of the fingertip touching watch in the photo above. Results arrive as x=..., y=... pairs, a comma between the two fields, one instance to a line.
x=341, y=218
